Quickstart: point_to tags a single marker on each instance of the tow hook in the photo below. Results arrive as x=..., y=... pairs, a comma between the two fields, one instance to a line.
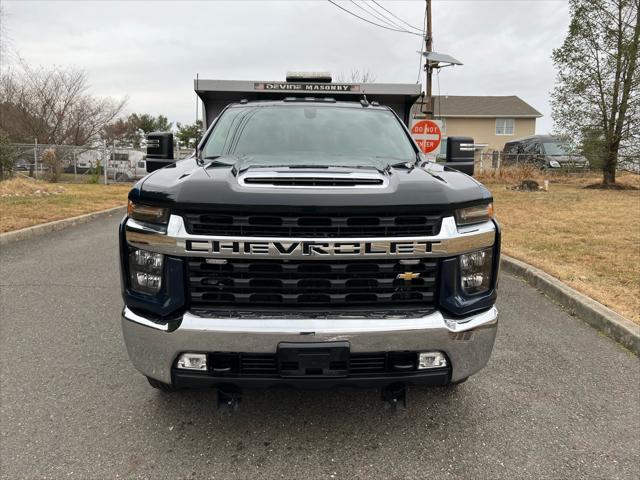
x=229, y=398
x=395, y=396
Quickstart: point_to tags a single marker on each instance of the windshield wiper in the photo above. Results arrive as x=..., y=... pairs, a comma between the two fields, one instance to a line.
x=401, y=164
x=215, y=162
x=306, y=166
x=398, y=161
x=324, y=167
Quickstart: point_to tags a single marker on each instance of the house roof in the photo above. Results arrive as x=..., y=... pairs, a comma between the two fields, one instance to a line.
x=474, y=106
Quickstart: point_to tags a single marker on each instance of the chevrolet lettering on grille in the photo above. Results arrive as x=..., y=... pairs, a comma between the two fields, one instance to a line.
x=297, y=249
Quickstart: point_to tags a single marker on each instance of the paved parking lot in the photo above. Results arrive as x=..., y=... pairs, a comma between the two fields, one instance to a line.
x=557, y=400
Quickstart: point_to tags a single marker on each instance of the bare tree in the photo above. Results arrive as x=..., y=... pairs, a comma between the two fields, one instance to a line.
x=4, y=36
x=53, y=106
x=597, y=96
x=357, y=76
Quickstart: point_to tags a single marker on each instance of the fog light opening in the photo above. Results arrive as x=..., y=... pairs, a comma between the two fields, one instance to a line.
x=192, y=361
x=475, y=271
x=146, y=271
x=428, y=360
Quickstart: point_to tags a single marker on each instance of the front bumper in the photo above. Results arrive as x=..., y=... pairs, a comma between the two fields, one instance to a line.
x=467, y=342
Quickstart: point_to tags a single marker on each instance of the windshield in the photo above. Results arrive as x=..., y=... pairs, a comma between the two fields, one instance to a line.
x=555, y=148
x=296, y=131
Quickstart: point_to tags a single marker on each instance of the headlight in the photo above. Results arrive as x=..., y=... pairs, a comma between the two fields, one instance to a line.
x=145, y=271
x=147, y=213
x=475, y=271
x=475, y=214
x=554, y=163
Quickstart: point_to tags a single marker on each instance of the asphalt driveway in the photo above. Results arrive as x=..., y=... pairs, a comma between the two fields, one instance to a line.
x=557, y=400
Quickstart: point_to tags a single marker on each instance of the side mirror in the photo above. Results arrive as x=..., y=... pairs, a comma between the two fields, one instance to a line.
x=159, y=150
x=460, y=154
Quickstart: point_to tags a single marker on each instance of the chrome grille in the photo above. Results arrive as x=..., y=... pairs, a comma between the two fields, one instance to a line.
x=371, y=283
x=313, y=226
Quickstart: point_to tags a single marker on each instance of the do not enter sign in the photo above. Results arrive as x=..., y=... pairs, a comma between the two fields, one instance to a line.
x=427, y=135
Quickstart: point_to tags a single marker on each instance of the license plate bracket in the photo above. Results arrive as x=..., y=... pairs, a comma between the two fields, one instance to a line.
x=313, y=359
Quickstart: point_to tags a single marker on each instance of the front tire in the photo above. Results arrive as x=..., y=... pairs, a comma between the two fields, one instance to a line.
x=163, y=387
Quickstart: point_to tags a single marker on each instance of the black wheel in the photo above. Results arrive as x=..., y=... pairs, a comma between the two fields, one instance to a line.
x=163, y=387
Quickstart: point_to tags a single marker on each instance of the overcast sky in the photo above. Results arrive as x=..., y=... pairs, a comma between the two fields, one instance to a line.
x=151, y=51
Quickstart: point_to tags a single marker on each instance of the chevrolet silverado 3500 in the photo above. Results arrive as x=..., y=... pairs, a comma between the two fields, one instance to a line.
x=308, y=243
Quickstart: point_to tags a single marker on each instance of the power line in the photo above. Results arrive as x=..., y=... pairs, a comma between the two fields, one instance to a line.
x=369, y=21
x=393, y=27
x=424, y=23
x=396, y=17
x=377, y=17
x=370, y=10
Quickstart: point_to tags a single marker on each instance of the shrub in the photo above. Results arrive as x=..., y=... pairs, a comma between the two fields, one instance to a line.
x=94, y=173
x=8, y=156
x=52, y=164
x=512, y=173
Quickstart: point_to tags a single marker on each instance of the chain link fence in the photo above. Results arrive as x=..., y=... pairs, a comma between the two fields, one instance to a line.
x=492, y=162
x=113, y=163
x=107, y=163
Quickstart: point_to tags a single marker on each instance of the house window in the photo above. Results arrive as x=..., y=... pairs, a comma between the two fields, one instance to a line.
x=505, y=126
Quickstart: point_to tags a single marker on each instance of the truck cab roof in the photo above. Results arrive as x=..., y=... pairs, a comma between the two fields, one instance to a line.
x=312, y=101
x=217, y=94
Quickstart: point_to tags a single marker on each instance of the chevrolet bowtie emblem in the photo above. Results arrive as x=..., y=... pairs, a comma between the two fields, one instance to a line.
x=408, y=276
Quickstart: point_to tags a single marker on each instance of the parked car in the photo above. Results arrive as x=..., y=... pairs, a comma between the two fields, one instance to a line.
x=21, y=165
x=547, y=152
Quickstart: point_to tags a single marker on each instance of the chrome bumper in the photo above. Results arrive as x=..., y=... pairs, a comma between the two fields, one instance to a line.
x=467, y=342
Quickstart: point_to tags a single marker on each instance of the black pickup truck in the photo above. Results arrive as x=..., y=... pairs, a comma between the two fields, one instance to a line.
x=307, y=243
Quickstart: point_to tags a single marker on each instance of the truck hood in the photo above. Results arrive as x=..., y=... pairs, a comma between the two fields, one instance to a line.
x=187, y=184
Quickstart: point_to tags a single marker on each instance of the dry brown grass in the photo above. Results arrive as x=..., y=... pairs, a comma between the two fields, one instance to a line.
x=590, y=239
x=24, y=186
x=510, y=174
x=514, y=175
x=25, y=202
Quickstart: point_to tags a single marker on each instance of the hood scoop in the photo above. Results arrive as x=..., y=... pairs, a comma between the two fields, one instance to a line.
x=312, y=179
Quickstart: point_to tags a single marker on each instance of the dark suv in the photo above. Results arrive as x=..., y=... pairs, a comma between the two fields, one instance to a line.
x=544, y=151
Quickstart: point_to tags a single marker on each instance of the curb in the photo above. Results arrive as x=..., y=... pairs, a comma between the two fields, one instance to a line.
x=37, y=230
x=595, y=314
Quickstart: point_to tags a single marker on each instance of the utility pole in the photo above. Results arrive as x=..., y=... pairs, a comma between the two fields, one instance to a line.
x=428, y=44
x=433, y=61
